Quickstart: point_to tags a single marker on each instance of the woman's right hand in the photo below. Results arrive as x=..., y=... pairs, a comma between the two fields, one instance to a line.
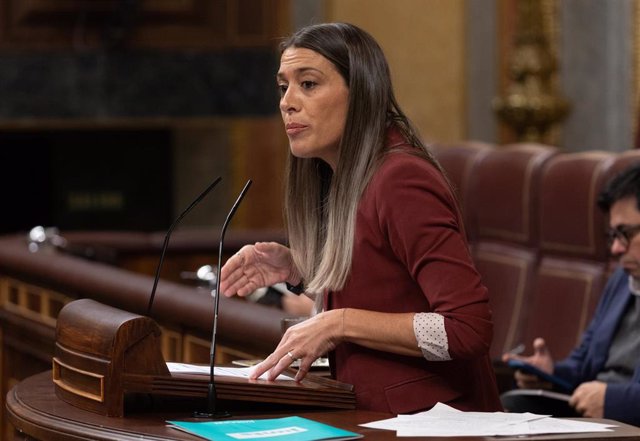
x=257, y=266
x=541, y=359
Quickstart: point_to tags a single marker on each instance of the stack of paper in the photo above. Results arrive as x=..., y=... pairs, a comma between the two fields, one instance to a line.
x=443, y=420
x=222, y=371
x=233, y=384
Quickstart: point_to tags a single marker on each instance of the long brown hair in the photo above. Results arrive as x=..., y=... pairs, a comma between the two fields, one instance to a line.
x=320, y=204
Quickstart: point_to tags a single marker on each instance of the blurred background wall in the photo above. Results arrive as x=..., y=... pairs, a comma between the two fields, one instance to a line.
x=116, y=114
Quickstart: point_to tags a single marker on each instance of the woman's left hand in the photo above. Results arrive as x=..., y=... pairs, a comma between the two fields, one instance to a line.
x=306, y=341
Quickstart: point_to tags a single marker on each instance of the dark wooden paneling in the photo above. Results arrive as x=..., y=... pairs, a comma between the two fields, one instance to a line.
x=25, y=350
x=42, y=24
x=87, y=179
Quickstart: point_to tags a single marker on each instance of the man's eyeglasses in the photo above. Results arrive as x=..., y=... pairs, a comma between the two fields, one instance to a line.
x=624, y=234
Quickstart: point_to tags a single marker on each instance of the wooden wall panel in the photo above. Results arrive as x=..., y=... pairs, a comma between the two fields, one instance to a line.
x=427, y=58
x=259, y=152
x=170, y=24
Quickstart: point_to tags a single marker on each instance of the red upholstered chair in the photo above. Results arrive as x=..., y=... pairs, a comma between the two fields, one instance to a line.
x=573, y=266
x=507, y=271
x=623, y=160
x=458, y=162
x=620, y=162
x=505, y=185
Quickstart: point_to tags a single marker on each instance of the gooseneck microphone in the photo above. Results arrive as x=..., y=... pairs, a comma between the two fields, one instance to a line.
x=168, y=235
x=211, y=411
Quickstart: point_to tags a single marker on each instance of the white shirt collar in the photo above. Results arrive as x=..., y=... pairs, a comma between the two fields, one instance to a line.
x=634, y=286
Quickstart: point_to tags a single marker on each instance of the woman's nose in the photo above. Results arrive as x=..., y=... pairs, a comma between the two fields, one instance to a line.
x=289, y=101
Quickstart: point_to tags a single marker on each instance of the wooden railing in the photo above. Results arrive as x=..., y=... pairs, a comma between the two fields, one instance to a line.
x=35, y=286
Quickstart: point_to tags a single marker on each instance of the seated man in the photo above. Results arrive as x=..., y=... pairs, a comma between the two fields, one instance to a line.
x=605, y=368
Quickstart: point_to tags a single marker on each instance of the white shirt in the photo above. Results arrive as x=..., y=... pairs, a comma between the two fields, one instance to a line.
x=431, y=335
x=634, y=286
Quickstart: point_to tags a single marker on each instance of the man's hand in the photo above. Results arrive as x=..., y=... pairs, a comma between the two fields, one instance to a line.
x=588, y=399
x=541, y=359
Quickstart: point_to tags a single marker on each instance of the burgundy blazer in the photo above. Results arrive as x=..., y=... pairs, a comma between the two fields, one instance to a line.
x=410, y=255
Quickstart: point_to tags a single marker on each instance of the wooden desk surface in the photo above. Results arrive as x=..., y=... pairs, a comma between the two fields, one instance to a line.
x=35, y=411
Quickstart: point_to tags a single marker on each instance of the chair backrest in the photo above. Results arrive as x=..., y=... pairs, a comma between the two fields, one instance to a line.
x=459, y=163
x=623, y=160
x=505, y=197
x=536, y=235
x=573, y=266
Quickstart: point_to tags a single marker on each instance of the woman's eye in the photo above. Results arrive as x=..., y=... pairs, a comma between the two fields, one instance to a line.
x=282, y=88
x=308, y=84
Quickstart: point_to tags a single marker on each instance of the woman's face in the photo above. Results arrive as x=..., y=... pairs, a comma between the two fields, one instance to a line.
x=313, y=101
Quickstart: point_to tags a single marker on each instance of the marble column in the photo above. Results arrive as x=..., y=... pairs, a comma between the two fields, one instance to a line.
x=481, y=69
x=596, y=56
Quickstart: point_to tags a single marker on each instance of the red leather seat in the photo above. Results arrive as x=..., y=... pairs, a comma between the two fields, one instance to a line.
x=573, y=266
x=459, y=162
x=504, y=203
x=536, y=235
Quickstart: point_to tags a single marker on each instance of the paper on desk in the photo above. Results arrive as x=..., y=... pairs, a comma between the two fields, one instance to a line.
x=443, y=420
x=442, y=412
x=185, y=368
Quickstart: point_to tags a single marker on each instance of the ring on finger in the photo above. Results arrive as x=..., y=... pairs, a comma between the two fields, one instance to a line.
x=290, y=354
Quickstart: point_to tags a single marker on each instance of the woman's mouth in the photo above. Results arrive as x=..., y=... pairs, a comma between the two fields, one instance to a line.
x=294, y=128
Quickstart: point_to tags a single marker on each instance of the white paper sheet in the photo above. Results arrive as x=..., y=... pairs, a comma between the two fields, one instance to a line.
x=444, y=420
x=185, y=368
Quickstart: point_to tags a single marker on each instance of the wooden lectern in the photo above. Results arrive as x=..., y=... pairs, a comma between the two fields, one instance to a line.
x=103, y=353
x=97, y=346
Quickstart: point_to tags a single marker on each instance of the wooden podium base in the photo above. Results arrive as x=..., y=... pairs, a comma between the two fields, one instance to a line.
x=103, y=353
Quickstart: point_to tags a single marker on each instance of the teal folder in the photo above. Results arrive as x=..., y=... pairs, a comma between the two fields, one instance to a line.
x=276, y=429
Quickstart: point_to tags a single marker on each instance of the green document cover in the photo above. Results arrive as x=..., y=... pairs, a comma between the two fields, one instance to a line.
x=281, y=429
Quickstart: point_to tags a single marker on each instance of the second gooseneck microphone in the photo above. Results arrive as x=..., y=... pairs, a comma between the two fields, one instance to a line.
x=168, y=235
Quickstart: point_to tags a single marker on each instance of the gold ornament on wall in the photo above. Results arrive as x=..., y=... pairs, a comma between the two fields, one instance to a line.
x=531, y=105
